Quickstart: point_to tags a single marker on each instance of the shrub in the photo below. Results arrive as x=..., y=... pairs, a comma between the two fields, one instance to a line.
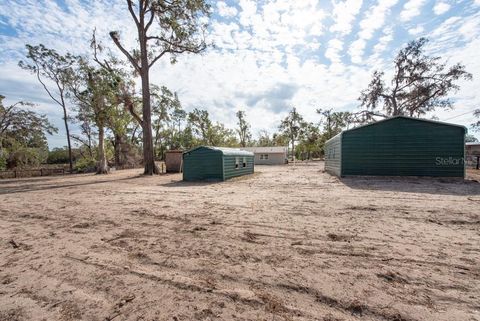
x=86, y=165
x=3, y=162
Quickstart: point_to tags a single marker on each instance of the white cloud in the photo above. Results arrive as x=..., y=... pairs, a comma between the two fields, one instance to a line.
x=441, y=7
x=225, y=10
x=470, y=27
x=411, y=9
x=383, y=41
x=332, y=52
x=344, y=13
x=248, y=12
x=45, y=22
x=454, y=31
x=468, y=98
x=356, y=50
x=416, y=31
x=374, y=19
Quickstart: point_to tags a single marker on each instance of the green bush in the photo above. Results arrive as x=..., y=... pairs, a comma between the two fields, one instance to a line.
x=85, y=165
x=58, y=156
x=3, y=162
x=24, y=157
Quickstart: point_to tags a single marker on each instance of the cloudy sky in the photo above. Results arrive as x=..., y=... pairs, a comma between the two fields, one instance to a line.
x=268, y=55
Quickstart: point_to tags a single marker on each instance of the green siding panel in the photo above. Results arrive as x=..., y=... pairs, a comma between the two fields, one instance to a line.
x=404, y=147
x=333, y=155
x=202, y=164
x=231, y=171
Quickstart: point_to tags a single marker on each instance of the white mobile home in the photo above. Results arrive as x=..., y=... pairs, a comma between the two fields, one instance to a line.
x=268, y=155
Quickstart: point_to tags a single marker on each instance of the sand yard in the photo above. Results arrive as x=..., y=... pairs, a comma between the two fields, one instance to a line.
x=287, y=243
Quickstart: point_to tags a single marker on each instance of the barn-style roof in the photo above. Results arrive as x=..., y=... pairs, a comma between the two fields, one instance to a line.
x=396, y=117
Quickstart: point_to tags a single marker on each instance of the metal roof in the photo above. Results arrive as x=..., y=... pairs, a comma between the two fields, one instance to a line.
x=407, y=117
x=266, y=149
x=400, y=116
x=225, y=150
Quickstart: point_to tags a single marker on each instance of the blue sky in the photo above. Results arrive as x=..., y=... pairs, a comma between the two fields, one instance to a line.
x=268, y=55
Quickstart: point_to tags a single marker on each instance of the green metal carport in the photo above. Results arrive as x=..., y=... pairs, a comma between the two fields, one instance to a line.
x=216, y=163
x=398, y=146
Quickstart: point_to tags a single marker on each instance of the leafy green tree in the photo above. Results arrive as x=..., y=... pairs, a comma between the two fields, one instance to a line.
x=168, y=116
x=186, y=138
x=49, y=66
x=201, y=125
x=334, y=122
x=85, y=139
x=243, y=129
x=264, y=139
x=59, y=155
x=22, y=135
x=470, y=139
x=123, y=129
x=95, y=91
x=222, y=136
x=310, y=141
x=476, y=125
x=163, y=27
x=292, y=127
x=124, y=109
x=280, y=139
x=209, y=133
x=420, y=84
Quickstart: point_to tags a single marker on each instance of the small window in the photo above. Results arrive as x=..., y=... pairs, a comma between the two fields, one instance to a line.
x=265, y=156
x=244, y=162
x=237, y=162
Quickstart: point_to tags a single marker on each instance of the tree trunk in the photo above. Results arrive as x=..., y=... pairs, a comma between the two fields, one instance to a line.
x=70, y=158
x=395, y=106
x=293, y=149
x=148, y=152
x=102, y=167
x=118, y=144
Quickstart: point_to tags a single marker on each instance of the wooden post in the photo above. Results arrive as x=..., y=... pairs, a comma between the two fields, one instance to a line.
x=478, y=162
x=15, y=173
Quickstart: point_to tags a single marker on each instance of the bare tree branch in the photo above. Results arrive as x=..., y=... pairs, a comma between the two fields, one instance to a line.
x=150, y=20
x=115, y=39
x=134, y=16
x=45, y=87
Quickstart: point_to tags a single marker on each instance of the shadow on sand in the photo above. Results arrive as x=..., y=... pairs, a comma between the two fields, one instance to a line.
x=30, y=185
x=181, y=183
x=427, y=185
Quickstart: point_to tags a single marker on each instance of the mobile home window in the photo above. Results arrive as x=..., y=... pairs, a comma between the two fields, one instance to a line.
x=263, y=156
x=244, y=162
x=237, y=162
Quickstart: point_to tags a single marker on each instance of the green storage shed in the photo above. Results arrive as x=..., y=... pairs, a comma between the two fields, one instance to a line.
x=398, y=146
x=215, y=163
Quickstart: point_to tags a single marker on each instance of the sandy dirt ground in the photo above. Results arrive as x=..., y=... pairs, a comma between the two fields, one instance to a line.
x=287, y=243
